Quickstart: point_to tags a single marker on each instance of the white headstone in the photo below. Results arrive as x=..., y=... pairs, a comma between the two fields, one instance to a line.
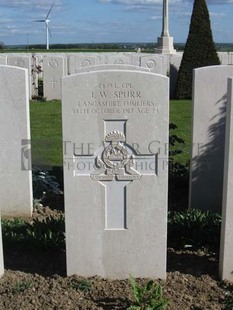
x=175, y=61
x=112, y=67
x=152, y=62
x=115, y=124
x=208, y=136
x=134, y=59
x=15, y=155
x=118, y=59
x=1, y=251
x=79, y=61
x=226, y=248
x=22, y=62
x=53, y=71
x=223, y=57
x=230, y=58
x=3, y=60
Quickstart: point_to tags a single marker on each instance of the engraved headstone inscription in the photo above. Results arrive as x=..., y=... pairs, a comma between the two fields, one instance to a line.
x=154, y=63
x=115, y=137
x=15, y=157
x=53, y=71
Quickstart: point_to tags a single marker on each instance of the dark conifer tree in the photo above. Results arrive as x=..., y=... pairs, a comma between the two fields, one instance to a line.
x=199, y=50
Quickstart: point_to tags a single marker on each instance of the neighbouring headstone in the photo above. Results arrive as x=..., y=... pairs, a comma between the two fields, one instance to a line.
x=134, y=58
x=117, y=59
x=79, y=61
x=53, y=71
x=223, y=57
x=1, y=251
x=226, y=247
x=3, y=60
x=15, y=159
x=22, y=62
x=230, y=58
x=208, y=136
x=172, y=71
x=152, y=62
x=115, y=129
x=112, y=67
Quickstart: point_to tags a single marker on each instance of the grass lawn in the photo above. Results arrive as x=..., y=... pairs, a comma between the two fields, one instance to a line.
x=181, y=116
x=46, y=131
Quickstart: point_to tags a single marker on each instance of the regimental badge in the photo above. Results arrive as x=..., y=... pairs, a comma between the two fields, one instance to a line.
x=116, y=161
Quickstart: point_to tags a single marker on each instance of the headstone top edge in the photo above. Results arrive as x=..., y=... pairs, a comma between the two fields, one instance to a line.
x=14, y=68
x=135, y=72
x=212, y=67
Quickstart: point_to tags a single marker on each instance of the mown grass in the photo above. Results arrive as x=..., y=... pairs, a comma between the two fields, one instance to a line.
x=181, y=116
x=46, y=131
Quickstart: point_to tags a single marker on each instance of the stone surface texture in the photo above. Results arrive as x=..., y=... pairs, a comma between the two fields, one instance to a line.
x=165, y=42
x=208, y=136
x=112, y=67
x=15, y=158
x=22, y=61
x=226, y=247
x=1, y=251
x=153, y=63
x=3, y=60
x=53, y=71
x=115, y=127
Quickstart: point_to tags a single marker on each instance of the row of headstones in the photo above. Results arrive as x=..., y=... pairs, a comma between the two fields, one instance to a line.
x=51, y=68
x=115, y=193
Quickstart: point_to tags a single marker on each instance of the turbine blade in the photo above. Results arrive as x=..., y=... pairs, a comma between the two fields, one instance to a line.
x=49, y=11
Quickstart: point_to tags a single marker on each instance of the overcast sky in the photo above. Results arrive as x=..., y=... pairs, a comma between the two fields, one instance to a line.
x=94, y=21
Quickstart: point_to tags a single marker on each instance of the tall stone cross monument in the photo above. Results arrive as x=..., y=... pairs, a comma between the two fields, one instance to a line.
x=165, y=42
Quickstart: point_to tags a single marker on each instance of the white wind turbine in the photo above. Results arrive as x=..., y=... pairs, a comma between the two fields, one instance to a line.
x=46, y=21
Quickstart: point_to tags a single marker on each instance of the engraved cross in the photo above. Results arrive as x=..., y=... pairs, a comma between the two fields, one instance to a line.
x=53, y=82
x=114, y=167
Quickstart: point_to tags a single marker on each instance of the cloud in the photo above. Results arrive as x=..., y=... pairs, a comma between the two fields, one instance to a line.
x=220, y=1
x=133, y=2
x=214, y=14
x=159, y=2
x=141, y=5
x=140, y=2
x=156, y=17
x=33, y=5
